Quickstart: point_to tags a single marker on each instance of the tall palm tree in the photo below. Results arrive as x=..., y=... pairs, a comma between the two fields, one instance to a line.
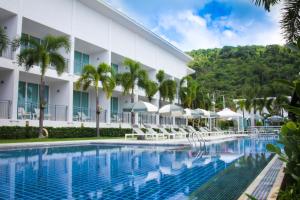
x=151, y=87
x=167, y=90
x=290, y=16
x=43, y=54
x=188, y=91
x=91, y=77
x=4, y=41
x=241, y=105
x=136, y=76
x=160, y=77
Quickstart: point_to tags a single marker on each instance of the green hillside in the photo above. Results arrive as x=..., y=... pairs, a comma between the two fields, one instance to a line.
x=245, y=71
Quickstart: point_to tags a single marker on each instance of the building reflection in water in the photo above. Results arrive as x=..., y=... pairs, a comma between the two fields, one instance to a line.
x=110, y=172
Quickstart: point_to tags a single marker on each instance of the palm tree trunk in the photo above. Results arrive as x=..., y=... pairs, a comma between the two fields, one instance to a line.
x=42, y=105
x=132, y=101
x=97, y=113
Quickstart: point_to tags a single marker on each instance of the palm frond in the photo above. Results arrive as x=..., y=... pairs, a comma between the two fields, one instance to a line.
x=267, y=4
x=160, y=76
x=290, y=22
x=54, y=43
x=58, y=61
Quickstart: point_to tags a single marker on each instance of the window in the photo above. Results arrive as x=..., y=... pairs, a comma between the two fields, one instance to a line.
x=115, y=67
x=114, y=106
x=28, y=96
x=80, y=103
x=26, y=45
x=80, y=60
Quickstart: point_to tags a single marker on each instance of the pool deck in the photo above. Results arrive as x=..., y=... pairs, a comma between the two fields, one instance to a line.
x=170, y=142
x=267, y=184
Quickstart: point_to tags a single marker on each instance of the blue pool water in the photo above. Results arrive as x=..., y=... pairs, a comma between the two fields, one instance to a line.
x=132, y=172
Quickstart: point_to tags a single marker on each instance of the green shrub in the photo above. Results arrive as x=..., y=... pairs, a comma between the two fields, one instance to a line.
x=18, y=132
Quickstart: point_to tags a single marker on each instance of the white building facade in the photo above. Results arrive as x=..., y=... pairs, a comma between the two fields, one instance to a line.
x=98, y=33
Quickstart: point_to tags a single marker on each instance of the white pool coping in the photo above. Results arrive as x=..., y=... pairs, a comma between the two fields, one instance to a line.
x=273, y=194
x=170, y=142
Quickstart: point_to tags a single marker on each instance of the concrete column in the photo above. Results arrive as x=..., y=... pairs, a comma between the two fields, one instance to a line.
x=15, y=86
x=70, y=101
x=70, y=83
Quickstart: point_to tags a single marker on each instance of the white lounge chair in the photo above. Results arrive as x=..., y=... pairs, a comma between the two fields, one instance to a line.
x=36, y=114
x=157, y=134
x=23, y=114
x=83, y=117
x=168, y=134
x=139, y=132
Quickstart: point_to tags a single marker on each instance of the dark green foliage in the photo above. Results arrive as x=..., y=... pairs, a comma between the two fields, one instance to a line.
x=17, y=132
x=245, y=72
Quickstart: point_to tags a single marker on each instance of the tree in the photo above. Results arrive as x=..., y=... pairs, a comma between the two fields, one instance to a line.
x=241, y=105
x=91, y=77
x=136, y=76
x=4, y=41
x=43, y=54
x=151, y=87
x=290, y=16
x=188, y=91
x=168, y=90
x=160, y=77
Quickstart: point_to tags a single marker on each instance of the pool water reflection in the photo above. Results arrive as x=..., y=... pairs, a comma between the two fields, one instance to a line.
x=130, y=172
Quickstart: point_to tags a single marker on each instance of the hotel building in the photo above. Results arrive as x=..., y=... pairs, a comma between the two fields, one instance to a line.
x=98, y=33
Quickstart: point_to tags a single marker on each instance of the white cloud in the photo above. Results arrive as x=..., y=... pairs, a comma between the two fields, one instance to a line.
x=194, y=32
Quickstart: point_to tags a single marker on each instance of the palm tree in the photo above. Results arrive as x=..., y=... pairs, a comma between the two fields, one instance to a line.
x=92, y=76
x=188, y=91
x=279, y=103
x=290, y=16
x=241, y=105
x=135, y=76
x=160, y=77
x=167, y=90
x=43, y=54
x=4, y=41
x=129, y=80
x=151, y=87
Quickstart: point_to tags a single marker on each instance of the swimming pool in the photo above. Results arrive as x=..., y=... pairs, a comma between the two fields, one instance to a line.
x=220, y=171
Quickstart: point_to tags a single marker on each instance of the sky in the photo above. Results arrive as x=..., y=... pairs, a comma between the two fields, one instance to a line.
x=201, y=24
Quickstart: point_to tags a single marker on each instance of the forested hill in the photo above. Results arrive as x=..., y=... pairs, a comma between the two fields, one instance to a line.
x=245, y=71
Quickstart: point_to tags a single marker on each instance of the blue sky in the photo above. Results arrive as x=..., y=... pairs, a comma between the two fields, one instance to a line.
x=194, y=24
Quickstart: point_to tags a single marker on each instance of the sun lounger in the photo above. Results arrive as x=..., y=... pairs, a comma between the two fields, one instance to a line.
x=139, y=132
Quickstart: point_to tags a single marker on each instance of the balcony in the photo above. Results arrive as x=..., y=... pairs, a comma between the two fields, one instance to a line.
x=7, y=53
x=31, y=111
x=83, y=114
x=123, y=117
x=5, y=106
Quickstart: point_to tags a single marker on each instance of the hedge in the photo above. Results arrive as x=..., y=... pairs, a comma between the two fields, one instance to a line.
x=18, y=132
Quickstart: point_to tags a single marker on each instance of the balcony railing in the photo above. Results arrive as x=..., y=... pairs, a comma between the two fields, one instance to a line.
x=145, y=118
x=31, y=111
x=5, y=106
x=165, y=120
x=124, y=117
x=83, y=114
x=7, y=53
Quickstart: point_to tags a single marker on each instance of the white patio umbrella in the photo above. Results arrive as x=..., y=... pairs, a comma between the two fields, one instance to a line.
x=140, y=106
x=171, y=110
x=191, y=114
x=226, y=113
x=203, y=112
x=275, y=118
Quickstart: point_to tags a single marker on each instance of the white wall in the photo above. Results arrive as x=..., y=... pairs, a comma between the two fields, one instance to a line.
x=6, y=87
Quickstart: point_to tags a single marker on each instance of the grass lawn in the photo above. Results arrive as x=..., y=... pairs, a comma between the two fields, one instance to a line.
x=3, y=141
